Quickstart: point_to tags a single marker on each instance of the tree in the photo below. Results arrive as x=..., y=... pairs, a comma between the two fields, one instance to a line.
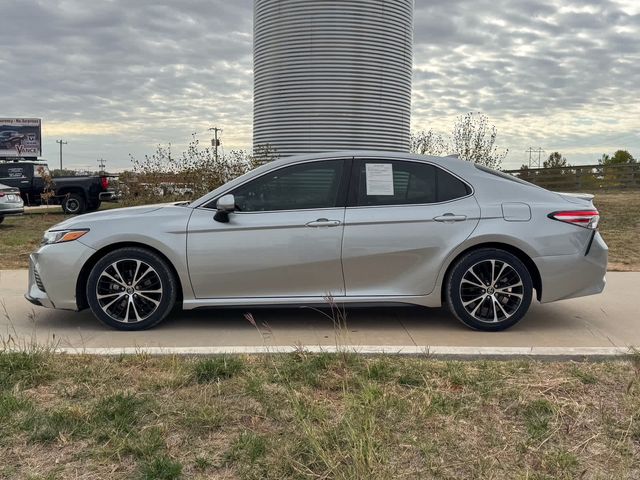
x=474, y=140
x=190, y=174
x=63, y=172
x=621, y=157
x=555, y=160
x=428, y=143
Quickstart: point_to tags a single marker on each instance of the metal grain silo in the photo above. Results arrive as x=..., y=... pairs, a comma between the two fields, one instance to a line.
x=332, y=75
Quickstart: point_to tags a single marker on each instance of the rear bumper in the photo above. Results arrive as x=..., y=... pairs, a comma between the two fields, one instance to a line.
x=570, y=276
x=11, y=211
x=109, y=196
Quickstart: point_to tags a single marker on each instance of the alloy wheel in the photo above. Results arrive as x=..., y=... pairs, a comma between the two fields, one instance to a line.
x=491, y=291
x=73, y=205
x=129, y=290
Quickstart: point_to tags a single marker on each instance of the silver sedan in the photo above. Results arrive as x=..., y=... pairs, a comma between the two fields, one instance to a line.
x=359, y=227
x=10, y=201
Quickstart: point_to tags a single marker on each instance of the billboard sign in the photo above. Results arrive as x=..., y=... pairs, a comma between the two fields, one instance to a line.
x=20, y=137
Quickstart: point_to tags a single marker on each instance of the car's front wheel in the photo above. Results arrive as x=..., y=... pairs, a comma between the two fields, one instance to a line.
x=131, y=289
x=489, y=289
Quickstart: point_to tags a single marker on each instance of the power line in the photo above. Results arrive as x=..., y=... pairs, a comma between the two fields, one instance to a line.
x=101, y=164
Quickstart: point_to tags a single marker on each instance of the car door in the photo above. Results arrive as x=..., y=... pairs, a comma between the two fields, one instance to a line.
x=403, y=217
x=15, y=175
x=283, y=240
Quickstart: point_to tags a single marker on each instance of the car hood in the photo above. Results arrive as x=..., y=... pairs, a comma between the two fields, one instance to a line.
x=85, y=220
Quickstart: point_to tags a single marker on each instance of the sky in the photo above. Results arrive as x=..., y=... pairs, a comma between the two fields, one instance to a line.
x=116, y=77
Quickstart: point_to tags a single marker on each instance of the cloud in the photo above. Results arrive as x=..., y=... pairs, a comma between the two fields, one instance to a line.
x=118, y=77
x=549, y=73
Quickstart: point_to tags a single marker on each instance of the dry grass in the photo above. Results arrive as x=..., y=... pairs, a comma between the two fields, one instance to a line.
x=21, y=235
x=316, y=416
x=620, y=226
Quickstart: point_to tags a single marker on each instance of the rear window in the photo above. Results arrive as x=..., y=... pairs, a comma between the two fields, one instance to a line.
x=506, y=176
x=397, y=182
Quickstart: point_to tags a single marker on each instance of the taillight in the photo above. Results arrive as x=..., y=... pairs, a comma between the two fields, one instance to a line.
x=2, y=194
x=581, y=218
x=105, y=182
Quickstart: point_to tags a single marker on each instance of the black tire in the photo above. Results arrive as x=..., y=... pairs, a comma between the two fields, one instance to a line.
x=94, y=206
x=151, y=308
x=74, y=204
x=499, y=303
x=1, y=219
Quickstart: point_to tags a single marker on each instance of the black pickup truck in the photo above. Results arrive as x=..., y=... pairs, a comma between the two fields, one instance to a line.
x=75, y=194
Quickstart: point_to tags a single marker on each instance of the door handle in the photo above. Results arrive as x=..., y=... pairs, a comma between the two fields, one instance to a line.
x=450, y=217
x=323, y=222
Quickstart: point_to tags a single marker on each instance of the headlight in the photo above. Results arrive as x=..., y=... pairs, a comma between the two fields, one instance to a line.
x=61, y=236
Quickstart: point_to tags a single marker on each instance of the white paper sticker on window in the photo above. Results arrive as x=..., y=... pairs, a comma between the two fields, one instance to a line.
x=379, y=178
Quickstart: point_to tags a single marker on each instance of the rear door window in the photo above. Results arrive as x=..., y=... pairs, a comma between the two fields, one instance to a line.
x=397, y=182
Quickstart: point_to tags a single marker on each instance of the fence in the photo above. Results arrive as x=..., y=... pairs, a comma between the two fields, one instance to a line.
x=583, y=177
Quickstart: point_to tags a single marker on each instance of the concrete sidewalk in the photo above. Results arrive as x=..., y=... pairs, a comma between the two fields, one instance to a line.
x=608, y=320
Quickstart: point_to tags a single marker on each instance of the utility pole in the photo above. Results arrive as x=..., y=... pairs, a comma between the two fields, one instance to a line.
x=101, y=164
x=215, y=143
x=61, y=143
x=532, y=161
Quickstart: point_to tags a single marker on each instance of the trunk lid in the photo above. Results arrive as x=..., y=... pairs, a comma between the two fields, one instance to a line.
x=583, y=199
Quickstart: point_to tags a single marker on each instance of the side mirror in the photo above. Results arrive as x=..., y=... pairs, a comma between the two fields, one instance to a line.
x=224, y=206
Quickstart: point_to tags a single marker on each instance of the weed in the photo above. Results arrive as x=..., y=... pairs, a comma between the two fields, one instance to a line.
x=24, y=368
x=161, y=468
x=537, y=416
x=10, y=404
x=217, y=368
x=411, y=377
x=585, y=377
x=304, y=368
x=48, y=426
x=443, y=404
x=248, y=447
x=120, y=412
x=562, y=464
x=204, y=417
x=381, y=370
x=202, y=463
x=145, y=444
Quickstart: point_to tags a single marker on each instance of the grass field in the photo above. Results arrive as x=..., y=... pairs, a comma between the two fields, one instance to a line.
x=620, y=226
x=304, y=416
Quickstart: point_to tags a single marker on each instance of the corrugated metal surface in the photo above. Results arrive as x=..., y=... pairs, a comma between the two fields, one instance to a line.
x=332, y=75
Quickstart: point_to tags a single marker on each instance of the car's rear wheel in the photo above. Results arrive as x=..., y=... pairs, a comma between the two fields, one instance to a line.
x=489, y=289
x=131, y=289
x=74, y=204
x=1, y=219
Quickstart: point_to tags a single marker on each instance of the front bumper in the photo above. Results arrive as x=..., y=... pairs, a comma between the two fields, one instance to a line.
x=53, y=274
x=570, y=276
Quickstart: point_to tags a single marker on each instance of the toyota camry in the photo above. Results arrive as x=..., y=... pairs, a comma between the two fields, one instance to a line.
x=360, y=227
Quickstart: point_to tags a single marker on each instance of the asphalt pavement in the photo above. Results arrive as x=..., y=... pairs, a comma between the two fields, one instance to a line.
x=600, y=323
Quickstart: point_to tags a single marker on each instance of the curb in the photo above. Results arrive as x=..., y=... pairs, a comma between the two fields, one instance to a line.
x=436, y=352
